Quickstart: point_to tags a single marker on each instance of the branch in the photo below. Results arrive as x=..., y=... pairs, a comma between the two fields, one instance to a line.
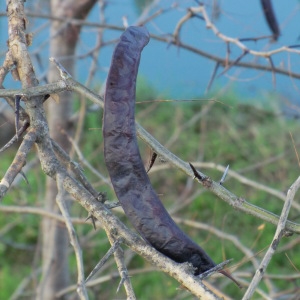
x=38, y=211
x=117, y=229
x=237, y=202
x=81, y=289
x=14, y=139
x=192, y=11
x=172, y=40
x=125, y=278
x=280, y=232
x=18, y=162
x=115, y=245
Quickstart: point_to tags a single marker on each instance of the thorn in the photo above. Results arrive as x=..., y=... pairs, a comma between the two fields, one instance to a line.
x=196, y=173
x=24, y=177
x=234, y=62
x=90, y=216
x=273, y=71
x=224, y=175
x=64, y=74
x=212, y=78
x=105, y=258
x=152, y=161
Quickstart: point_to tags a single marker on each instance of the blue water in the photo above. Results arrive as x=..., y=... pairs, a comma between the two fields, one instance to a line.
x=180, y=74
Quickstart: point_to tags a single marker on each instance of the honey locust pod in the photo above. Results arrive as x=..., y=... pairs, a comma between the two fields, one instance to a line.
x=123, y=160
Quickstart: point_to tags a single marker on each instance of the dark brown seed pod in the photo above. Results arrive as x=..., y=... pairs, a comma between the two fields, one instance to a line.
x=126, y=169
x=270, y=17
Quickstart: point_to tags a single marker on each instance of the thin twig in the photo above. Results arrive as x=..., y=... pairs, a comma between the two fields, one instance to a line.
x=60, y=199
x=14, y=139
x=104, y=259
x=18, y=162
x=125, y=278
x=280, y=231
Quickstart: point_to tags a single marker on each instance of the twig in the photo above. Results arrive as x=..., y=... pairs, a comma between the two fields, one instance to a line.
x=250, y=256
x=15, y=137
x=213, y=76
x=18, y=162
x=85, y=162
x=125, y=278
x=217, y=268
x=104, y=259
x=209, y=25
x=38, y=211
x=81, y=289
x=17, y=113
x=273, y=73
x=108, y=220
x=215, y=187
x=105, y=278
x=75, y=168
x=280, y=231
x=231, y=64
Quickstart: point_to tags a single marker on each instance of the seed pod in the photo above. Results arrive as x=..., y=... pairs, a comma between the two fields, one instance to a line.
x=270, y=17
x=123, y=160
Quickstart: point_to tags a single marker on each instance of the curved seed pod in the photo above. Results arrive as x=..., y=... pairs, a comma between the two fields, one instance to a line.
x=270, y=17
x=126, y=169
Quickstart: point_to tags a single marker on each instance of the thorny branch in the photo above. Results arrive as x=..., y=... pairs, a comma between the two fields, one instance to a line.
x=279, y=234
x=192, y=11
x=18, y=163
x=60, y=199
x=233, y=200
x=53, y=168
x=175, y=40
x=56, y=163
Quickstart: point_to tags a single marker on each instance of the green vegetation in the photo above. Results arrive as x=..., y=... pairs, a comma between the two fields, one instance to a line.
x=255, y=141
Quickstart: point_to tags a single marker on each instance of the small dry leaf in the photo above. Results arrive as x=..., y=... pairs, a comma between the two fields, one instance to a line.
x=261, y=227
x=55, y=97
